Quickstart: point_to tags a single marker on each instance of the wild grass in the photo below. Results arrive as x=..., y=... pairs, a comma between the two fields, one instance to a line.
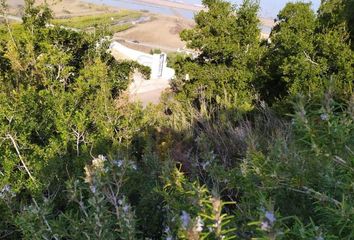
x=111, y=19
x=119, y=28
x=15, y=27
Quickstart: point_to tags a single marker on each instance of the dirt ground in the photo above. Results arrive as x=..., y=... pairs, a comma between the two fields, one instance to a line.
x=146, y=91
x=63, y=8
x=161, y=32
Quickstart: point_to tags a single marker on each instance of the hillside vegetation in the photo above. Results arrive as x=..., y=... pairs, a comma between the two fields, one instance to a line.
x=255, y=140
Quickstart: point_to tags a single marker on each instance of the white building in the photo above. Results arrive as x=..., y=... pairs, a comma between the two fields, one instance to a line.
x=157, y=62
x=140, y=89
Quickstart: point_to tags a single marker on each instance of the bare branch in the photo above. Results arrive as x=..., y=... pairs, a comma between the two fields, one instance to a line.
x=14, y=143
x=3, y=13
x=309, y=59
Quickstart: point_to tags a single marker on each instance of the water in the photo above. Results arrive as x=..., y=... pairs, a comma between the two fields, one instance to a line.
x=133, y=5
x=269, y=8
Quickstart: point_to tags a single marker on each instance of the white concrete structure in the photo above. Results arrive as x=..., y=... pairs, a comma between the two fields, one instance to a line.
x=146, y=91
x=157, y=62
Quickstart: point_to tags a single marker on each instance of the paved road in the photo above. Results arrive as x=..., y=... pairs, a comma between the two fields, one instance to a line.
x=11, y=17
x=148, y=45
x=147, y=91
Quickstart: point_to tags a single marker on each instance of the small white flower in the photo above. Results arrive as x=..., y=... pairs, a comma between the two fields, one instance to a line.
x=93, y=189
x=185, y=219
x=270, y=217
x=103, y=158
x=199, y=225
x=167, y=229
x=6, y=192
x=168, y=233
x=6, y=188
x=302, y=113
x=118, y=163
x=187, y=78
x=98, y=163
x=126, y=208
x=205, y=165
x=319, y=238
x=120, y=201
x=263, y=104
x=324, y=117
x=134, y=167
x=265, y=226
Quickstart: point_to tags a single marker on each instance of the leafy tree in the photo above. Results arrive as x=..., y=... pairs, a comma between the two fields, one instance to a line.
x=35, y=17
x=334, y=13
x=226, y=40
x=302, y=59
x=58, y=106
x=285, y=58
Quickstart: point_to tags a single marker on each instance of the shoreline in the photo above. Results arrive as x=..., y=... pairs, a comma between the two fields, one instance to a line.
x=169, y=25
x=170, y=4
x=71, y=8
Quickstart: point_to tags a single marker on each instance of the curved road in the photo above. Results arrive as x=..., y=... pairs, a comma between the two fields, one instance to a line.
x=144, y=44
x=11, y=17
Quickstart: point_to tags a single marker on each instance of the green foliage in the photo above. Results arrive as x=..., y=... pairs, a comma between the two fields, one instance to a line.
x=99, y=209
x=201, y=215
x=120, y=28
x=35, y=17
x=212, y=161
x=305, y=57
x=308, y=174
x=58, y=99
x=155, y=51
x=226, y=40
x=334, y=13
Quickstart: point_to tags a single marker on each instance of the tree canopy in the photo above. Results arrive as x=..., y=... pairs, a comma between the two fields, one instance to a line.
x=226, y=40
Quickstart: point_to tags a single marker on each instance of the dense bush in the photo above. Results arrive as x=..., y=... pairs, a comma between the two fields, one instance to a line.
x=211, y=161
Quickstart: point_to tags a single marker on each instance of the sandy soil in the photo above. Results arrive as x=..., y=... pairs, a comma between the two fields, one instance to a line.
x=162, y=32
x=15, y=6
x=147, y=91
x=265, y=21
x=63, y=8
x=173, y=4
x=147, y=97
